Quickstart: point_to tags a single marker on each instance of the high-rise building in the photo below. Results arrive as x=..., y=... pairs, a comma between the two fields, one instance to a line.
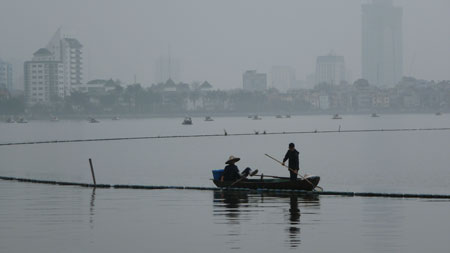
x=330, y=69
x=44, y=78
x=254, y=81
x=282, y=78
x=382, y=43
x=6, y=79
x=68, y=51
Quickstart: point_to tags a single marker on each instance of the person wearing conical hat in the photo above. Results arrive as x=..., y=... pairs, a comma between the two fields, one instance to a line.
x=231, y=171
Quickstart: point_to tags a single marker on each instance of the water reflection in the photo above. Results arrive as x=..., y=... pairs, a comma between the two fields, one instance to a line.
x=294, y=221
x=234, y=208
x=92, y=209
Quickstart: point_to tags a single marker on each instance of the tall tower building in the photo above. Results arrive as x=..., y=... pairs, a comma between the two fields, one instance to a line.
x=69, y=52
x=6, y=81
x=382, y=43
x=330, y=69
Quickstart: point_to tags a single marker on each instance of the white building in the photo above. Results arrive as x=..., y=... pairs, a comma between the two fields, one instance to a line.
x=6, y=79
x=282, y=78
x=254, y=81
x=68, y=51
x=382, y=43
x=44, y=78
x=330, y=69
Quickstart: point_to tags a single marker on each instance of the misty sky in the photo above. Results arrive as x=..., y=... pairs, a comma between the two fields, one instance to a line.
x=218, y=40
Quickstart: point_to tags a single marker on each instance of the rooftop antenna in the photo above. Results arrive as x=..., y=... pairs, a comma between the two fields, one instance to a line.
x=411, y=64
x=170, y=67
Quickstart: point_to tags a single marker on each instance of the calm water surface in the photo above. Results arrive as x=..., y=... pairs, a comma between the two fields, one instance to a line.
x=42, y=218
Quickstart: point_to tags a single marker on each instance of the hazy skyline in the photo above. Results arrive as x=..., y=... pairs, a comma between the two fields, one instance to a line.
x=218, y=40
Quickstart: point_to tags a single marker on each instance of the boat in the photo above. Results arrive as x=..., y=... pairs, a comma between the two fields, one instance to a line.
x=115, y=118
x=54, y=118
x=187, y=121
x=256, y=117
x=279, y=183
x=92, y=120
x=10, y=120
x=336, y=116
x=278, y=116
x=288, y=116
x=208, y=118
x=22, y=120
x=374, y=115
x=438, y=114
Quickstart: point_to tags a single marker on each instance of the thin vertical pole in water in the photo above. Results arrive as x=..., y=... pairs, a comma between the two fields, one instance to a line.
x=92, y=171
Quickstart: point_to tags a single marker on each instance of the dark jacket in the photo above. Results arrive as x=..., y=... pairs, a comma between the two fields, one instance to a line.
x=292, y=156
x=231, y=173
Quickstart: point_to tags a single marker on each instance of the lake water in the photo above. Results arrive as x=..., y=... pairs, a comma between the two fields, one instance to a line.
x=45, y=218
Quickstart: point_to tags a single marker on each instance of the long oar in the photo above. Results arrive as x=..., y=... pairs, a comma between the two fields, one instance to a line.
x=242, y=178
x=264, y=175
x=293, y=171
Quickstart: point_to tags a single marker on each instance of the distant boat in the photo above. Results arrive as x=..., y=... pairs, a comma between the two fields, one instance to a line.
x=336, y=116
x=10, y=120
x=278, y=116
x=22, y=120
x=438, y=114
x=288, y=116
x=250, y=116
x=92, y=120
x=187, y=121
x=256, y=117
x=208, y=118
x=54, y=118
x=374, y=115
x=115, y=118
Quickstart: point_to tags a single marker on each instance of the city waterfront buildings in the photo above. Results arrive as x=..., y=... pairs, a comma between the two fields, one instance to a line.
x=44, y=78
x=254, y=81
x=69, y=52
x=330, y=69
x=6, y=75
x=282, y=78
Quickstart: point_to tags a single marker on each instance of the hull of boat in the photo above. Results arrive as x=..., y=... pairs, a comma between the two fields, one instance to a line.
x=276, y=184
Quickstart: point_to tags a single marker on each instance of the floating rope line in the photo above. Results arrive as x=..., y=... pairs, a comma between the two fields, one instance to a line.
x=300, y=192
x=229, y=134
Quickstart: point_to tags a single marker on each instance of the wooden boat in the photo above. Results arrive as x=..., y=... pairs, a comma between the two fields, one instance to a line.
x=92, y=120
x=115, y=118
x=208, y=118
x=336, y=116
x=187, y=121
x=438, y=114
x=54, y=118
x=288, y=116
x=278, y=116
x=374, y=115
x=280, y=183
x=22, y=120
x=10, y=120
x=256, y=117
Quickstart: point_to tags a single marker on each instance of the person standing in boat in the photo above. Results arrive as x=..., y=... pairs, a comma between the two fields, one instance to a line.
x=231, y=171
x=292, y=156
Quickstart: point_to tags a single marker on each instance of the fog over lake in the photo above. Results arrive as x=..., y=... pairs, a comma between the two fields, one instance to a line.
x=224, y=126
